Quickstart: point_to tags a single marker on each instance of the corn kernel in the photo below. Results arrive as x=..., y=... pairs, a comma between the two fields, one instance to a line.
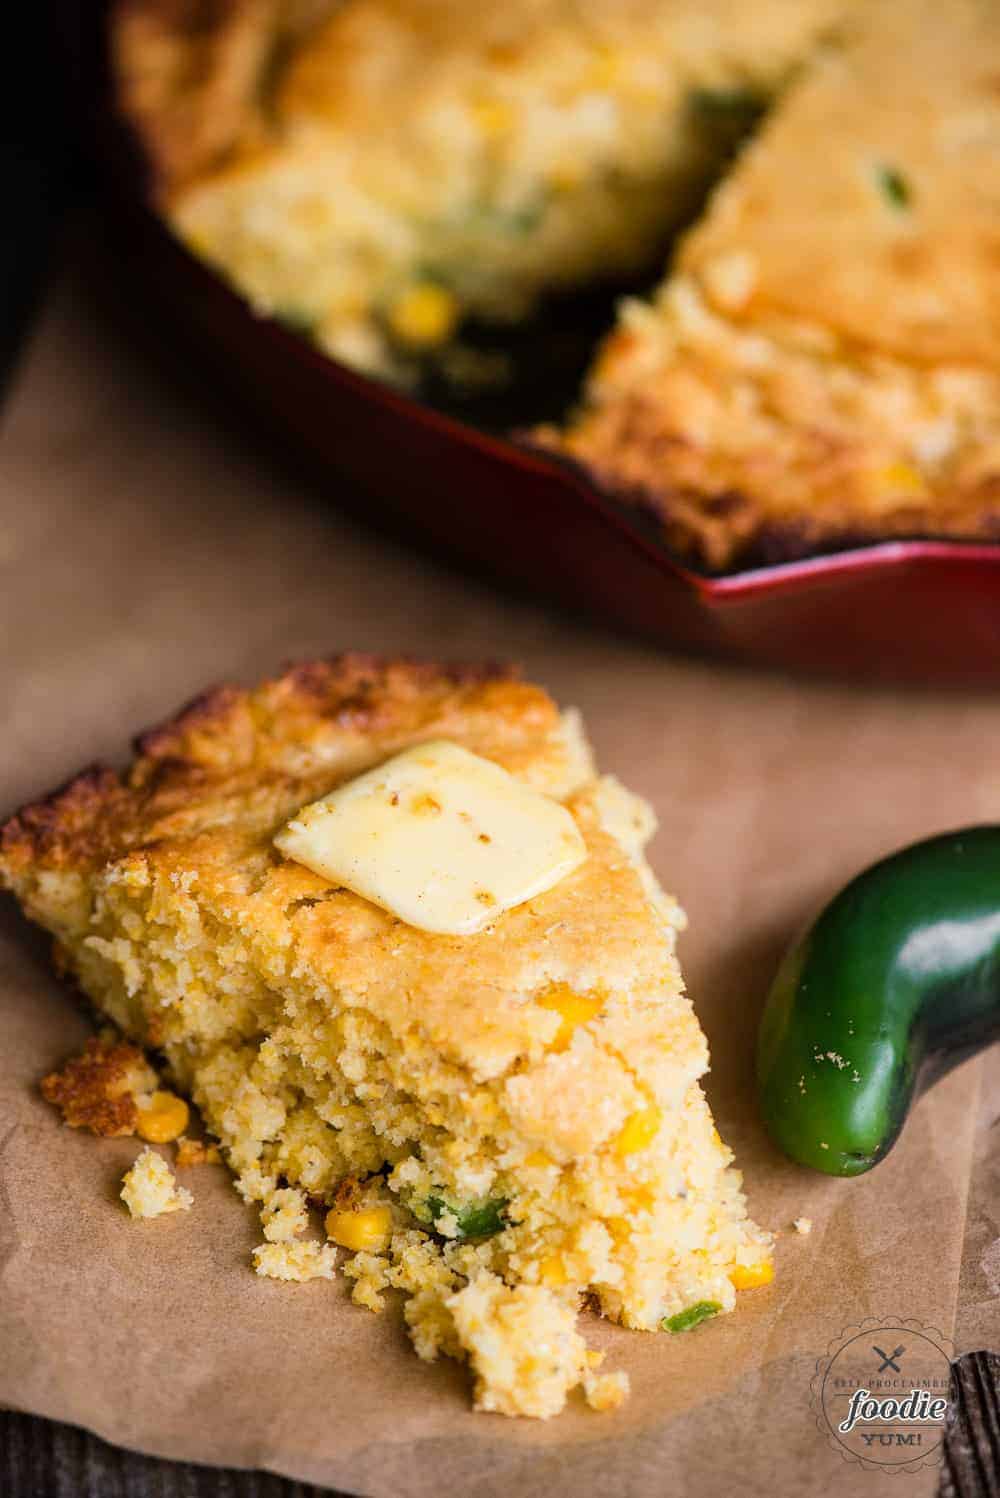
x=573, y=1008
x=424, y=315
x=163, y=1118
x=901, y=478
x=749, y=1276
x=604, y=70
x=368, y=1229
x=537, y=1160
x=639, y=1131
x=552, y=1271
x=493, y=116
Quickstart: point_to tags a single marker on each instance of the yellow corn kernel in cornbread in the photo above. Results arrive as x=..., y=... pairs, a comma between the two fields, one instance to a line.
x=574, y=1009
x=162, y=1117
x=425, y=314
x=366, y=1228
x=149, y=1188
x=750, y=1276
x=640, y=1129
x=415, y=162
x=414, y=1084
x=822, y=364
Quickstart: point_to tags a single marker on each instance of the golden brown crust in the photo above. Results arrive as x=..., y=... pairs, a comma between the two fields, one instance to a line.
x=868, y=201
x=74, y=815
x=822, y=366
x=194, y=76
x=191, y=1152
x=227, y=725
x=820, y=490
x=95, y=1089
x=231, y=737
x=189, y=76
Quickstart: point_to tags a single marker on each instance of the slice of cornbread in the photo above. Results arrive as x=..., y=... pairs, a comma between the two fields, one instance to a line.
x=499, y=1123
x=822, y=365
x=375, y=171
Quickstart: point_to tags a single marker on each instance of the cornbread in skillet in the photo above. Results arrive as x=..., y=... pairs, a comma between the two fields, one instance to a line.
x=375, y=171
x=496, y=1124
x=822, y=365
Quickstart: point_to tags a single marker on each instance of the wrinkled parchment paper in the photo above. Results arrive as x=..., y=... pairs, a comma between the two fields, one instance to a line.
x=146, y=549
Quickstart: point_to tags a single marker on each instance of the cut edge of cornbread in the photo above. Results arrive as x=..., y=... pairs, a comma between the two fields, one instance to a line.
x=819, y=368
x=495, y=1125
x=373, y=174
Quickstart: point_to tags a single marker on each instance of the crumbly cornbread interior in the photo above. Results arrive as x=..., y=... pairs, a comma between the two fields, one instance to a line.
x=380, y=170
x=822, y=366
x=498, y=1124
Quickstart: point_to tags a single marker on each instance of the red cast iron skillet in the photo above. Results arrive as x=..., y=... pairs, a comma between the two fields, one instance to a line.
x=918, y=611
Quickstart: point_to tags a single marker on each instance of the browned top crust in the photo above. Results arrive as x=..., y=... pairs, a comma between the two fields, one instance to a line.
x=194, y=74
x=822, y=366
x=96, y=1090
x=233, y=747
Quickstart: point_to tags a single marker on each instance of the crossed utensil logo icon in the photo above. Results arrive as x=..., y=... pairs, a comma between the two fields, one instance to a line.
x=888, y=1358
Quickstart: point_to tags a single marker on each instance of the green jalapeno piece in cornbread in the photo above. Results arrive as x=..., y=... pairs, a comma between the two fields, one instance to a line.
x=684, y=1321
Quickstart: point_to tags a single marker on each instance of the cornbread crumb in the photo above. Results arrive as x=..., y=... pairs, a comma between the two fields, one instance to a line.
x=295, y=1261
x=523, y=1345
x=803, y=1226
x=605, y=1391
x=195, y=1152
x=370, y=1275
x=284, y=1215
x=97, y=1090
x=149, y=1188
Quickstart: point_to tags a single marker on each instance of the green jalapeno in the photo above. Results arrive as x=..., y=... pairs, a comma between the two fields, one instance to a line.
x=476, y=1219
x=896, y=981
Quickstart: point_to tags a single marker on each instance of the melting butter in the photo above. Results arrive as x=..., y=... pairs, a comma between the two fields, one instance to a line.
x=442, y=838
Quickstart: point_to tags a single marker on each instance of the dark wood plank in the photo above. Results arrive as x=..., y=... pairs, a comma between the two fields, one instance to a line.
x=41, y=1459
x=972, y=1451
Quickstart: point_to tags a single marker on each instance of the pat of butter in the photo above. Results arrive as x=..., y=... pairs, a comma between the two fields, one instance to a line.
x=440, y=837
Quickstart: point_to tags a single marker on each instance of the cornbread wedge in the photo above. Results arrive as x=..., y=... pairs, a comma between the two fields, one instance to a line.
x=496, y=1124
x=375, y=171
x=822, y=366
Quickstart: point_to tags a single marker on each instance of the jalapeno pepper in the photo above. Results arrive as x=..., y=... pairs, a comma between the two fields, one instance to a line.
x=476, y=1219
x=896, y=981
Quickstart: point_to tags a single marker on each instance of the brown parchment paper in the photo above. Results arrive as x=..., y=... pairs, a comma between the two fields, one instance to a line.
x=145, y=550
